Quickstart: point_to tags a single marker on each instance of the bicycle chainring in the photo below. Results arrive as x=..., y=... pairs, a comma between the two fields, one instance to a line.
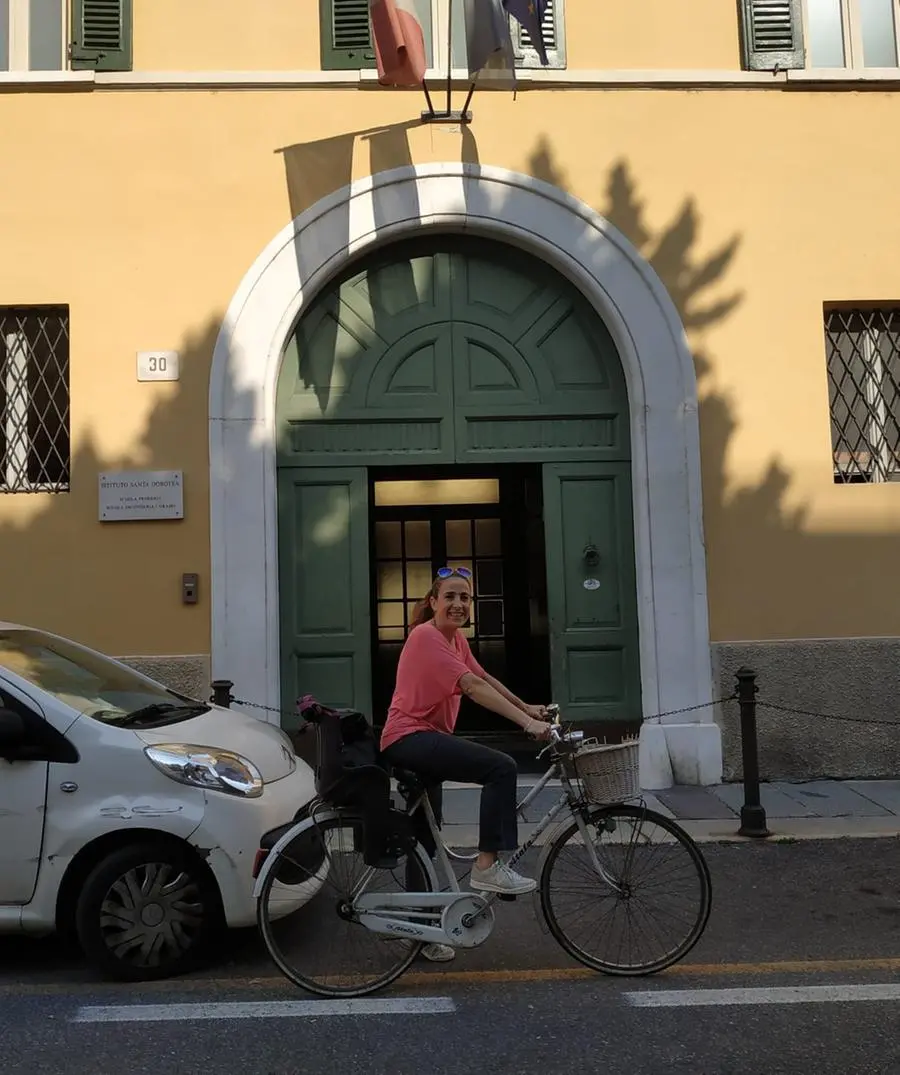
x=468, y=921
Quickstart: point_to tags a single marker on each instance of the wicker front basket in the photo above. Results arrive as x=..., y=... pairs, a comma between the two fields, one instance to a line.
x=608, y=772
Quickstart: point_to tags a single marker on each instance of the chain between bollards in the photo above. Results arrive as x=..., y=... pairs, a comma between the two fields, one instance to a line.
x=753, y=815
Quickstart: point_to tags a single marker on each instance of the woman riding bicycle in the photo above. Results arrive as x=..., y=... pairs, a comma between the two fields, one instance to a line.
x=436, y=668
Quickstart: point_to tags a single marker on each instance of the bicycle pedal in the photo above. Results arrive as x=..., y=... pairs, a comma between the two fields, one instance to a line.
x=506, y=897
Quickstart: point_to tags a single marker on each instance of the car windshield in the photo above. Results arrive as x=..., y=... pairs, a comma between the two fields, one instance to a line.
x=92, y=684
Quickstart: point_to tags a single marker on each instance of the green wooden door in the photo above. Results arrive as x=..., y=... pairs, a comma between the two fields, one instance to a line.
x=440, y=352
x=591, y=590
x=323, y=545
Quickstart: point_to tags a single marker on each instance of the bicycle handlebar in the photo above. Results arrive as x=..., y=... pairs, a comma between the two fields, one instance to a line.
x=557, y=735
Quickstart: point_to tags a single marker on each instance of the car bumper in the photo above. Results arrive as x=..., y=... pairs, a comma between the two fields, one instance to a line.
x=229, y=835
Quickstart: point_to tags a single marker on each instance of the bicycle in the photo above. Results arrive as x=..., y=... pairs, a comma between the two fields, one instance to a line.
x=317, y=866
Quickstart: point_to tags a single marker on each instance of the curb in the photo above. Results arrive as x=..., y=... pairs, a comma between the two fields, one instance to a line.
x=718, y=831
x=789, y=829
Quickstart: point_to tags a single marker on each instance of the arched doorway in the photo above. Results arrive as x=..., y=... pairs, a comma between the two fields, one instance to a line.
x=538, y=218
x=451, y=399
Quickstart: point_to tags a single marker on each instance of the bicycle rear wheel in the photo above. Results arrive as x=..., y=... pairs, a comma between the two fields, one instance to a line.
x=656, y=911
x=304, y=911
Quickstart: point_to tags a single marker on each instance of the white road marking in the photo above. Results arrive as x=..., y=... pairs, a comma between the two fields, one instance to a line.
x=793, y=994
x=270, y=1009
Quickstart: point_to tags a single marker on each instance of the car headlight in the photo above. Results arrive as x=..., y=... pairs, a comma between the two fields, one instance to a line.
x=207, y=767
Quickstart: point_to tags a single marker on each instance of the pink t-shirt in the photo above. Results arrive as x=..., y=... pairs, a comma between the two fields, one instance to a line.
x=427, y=696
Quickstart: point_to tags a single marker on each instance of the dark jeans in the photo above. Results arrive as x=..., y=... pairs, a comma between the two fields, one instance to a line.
x=437, y=756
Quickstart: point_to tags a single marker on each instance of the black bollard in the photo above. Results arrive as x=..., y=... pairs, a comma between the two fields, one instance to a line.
x=221, y=693
x=753, y=816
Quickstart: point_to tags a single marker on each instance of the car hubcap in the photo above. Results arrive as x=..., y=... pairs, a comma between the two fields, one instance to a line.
x=152, y=914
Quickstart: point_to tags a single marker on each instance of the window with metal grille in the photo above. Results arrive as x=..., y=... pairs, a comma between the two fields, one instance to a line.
x=863, y=351
x=34, y=399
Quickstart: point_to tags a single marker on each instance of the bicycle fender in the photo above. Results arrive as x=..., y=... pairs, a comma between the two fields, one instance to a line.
x=302, y=826
x=539, y=869
x=292, y=833
x=556, y=832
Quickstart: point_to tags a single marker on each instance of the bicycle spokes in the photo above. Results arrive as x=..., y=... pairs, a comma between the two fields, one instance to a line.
x=320, y=944
x=625, y=891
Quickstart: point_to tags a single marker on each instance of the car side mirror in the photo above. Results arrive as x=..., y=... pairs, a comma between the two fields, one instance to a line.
x=12, y=732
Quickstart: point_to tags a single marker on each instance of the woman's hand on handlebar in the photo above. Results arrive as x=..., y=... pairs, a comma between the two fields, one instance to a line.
x=537, y=729
x=536, y=712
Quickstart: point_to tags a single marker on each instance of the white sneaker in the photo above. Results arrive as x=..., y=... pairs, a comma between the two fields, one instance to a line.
x=438, y=953
x=435, y=953
x=501, y=878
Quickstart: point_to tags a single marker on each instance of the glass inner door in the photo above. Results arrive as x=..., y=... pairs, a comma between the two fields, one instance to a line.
x=483, y=522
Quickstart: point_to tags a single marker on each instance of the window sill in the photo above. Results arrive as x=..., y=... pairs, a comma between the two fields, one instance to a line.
x=527, y=78
x=884, y=75
x=540, y=77
x=34, y=79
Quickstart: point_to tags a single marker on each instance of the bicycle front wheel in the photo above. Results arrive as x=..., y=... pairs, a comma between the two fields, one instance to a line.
x=306, y=917
x=647, y=905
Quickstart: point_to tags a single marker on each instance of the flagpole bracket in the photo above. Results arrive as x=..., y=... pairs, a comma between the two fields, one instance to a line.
x=456, y=116
x=448, y=115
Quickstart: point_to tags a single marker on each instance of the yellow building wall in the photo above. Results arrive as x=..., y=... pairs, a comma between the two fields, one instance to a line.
x=143, y=211
x=278, y=35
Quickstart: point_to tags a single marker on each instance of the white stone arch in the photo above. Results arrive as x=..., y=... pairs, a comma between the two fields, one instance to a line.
x=621, y=285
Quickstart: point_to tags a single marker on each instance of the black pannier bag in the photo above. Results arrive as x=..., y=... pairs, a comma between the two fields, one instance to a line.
x=351, y=773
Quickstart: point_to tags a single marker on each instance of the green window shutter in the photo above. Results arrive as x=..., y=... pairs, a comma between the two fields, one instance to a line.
x=101, y=35
x=772, y=35
x=554, y=38
x=346, y=35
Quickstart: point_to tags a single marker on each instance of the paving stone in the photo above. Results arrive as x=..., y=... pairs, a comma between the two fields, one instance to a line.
x=774, y=801
x=652, y=802
x=884, y=793
x=693, y=802
x=832, y=798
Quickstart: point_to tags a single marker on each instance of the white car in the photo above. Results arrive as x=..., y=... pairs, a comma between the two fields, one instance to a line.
x=131, y=815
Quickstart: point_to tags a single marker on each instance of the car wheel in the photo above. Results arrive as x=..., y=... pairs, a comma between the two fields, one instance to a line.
x=147, y=911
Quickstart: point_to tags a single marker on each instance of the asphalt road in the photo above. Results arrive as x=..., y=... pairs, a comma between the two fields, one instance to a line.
x=786, y=917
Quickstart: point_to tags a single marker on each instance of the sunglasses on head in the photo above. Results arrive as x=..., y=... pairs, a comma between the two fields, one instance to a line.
x=447, y=572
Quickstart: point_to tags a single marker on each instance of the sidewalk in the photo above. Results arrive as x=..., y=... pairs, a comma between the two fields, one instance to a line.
x=816, y=809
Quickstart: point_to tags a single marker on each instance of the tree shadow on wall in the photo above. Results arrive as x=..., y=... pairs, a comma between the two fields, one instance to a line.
x=758, y=542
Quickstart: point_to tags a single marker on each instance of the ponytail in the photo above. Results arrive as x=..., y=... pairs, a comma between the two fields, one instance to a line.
x=422, y=611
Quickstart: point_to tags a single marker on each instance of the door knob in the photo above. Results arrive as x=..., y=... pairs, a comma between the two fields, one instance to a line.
x=591, y=555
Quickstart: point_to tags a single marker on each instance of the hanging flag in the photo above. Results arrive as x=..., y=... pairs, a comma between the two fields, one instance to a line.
x=488, y=43
x=399, y=42
x=530, y=14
